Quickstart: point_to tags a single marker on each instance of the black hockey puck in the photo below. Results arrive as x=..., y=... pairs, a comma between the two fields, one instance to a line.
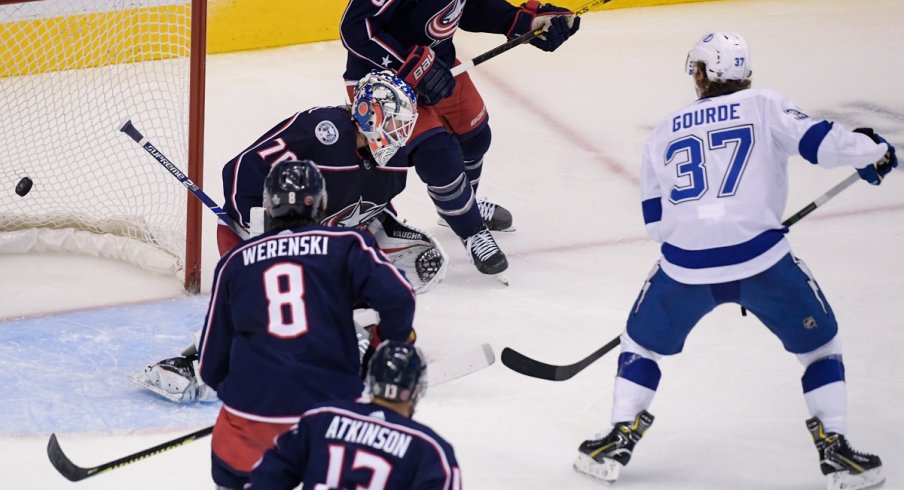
x=24, y=186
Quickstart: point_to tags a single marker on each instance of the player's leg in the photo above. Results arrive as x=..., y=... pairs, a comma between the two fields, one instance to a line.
x=788, y=300
x=464, y=114
x=236, y=445
x=661, y=318
x=437, y=159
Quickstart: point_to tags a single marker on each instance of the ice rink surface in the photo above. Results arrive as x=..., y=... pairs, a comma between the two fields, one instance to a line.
x=568, y=129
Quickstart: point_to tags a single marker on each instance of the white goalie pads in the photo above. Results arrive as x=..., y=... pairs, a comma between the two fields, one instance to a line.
x=411, y=250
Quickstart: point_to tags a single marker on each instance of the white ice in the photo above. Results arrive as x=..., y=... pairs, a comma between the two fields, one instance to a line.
x=568, y=129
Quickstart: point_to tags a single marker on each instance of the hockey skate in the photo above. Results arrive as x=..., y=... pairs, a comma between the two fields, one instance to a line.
x=495, y=217
x=175, y=380
x=604, y=457
x=844, y=468
x=486, y=255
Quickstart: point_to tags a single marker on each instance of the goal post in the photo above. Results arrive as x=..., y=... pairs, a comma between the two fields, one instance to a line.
x=70, y=71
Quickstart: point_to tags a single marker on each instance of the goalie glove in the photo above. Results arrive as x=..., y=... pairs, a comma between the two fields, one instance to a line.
x=875, y=172
x=558, y=23
x=411, y=250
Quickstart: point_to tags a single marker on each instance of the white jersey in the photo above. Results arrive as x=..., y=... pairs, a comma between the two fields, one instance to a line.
x=714, y=181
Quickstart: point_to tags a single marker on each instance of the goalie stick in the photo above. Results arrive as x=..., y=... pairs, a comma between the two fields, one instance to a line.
x=515, y=41
x=129, y=129
x=439, y=372
x=527, y=366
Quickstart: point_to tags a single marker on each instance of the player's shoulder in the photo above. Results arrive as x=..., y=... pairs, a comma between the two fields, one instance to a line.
x=328, y=125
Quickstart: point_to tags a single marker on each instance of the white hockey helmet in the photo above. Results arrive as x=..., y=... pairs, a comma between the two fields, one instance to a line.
x=385, y=109
x=725, y=55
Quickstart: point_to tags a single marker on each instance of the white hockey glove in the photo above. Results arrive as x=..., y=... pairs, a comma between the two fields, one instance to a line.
x=411, y=250
x=175, y=380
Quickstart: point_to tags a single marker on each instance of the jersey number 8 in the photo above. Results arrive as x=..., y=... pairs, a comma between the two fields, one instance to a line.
x=284, y=287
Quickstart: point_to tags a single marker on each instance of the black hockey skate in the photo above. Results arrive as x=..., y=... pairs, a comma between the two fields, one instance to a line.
x=485, y=254
x=603, y=458
x=495, y=217
x=845, y=468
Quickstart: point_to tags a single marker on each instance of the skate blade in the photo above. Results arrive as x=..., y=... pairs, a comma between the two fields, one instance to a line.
x=607, y=471
x=501, y=278
x=845, y=480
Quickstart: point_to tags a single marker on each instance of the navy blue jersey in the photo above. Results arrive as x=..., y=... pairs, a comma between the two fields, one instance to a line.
x=379, y=33
x=347, y=445
x=279, y=335
x=357, y=188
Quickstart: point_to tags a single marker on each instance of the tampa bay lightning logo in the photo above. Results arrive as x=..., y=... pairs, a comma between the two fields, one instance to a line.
x=796, y=113
x=443, y=24
x=358, y=214
x=708, y=38
x=326, y=132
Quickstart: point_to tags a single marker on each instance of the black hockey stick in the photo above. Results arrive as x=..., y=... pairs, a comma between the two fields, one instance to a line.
x=77, y=473
x=515, y=41
x=129, y=129
x=520, y=363
x=439, y=372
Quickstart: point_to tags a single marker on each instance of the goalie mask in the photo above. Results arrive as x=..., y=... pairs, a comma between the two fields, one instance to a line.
x=295, y=188
x=725, y=55
x=385, y=109
x=397, y=372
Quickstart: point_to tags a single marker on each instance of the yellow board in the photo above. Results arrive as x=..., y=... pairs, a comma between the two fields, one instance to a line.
x=99, y=39
x=96, y=39
x=235, y=25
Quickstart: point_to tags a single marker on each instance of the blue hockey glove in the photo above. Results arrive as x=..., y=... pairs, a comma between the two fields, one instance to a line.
x=561, y=22
x=428, y=75
x=875, y=172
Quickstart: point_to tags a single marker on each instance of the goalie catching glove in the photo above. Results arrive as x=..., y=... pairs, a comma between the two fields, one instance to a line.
x=411, y=250
x=559, y=24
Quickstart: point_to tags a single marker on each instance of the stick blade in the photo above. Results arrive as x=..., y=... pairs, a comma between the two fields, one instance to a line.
x=522, y=364
x=461, y=364
x=62, y=463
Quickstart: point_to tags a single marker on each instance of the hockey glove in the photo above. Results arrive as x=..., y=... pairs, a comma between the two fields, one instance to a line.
x=875, y=172
x=560, y=23
x=428, y=75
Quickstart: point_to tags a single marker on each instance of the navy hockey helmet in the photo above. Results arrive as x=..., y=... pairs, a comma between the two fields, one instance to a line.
x=397, y=372
x=295, y=188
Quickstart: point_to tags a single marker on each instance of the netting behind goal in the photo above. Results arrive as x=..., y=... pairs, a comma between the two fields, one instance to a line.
x=70, y=72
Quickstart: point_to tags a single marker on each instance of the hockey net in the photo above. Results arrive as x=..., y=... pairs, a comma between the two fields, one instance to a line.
x=70, y=72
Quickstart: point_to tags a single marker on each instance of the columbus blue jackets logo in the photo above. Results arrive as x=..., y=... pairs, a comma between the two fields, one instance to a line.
x=326, y=132
x=354, y=215
x=443, y=24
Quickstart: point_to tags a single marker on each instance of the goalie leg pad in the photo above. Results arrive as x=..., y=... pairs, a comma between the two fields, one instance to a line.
x=175, y=380
x=411, y=250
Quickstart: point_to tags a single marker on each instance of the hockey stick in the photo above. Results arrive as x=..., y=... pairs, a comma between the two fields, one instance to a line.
x=439, y=372
x=515, y=41
x=129, y=129
x=77, y=473
x=520, y=363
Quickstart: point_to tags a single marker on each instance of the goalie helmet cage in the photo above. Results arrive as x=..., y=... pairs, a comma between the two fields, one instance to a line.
x=70, y=72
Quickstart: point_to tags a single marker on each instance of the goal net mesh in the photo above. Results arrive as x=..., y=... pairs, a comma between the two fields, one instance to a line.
x=71, y=71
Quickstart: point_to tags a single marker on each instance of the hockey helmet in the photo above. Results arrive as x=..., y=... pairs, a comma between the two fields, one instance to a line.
x=295, y=188
x=397, y=372
x=385, y=109
x=725, y=55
